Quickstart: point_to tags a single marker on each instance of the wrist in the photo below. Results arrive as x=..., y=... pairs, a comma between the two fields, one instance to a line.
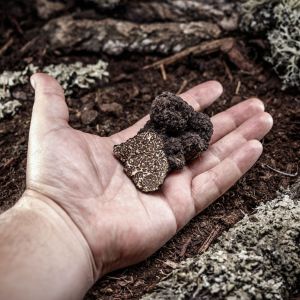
x=51, y=253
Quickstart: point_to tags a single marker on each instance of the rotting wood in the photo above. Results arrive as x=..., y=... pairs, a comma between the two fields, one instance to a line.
x=115, y=37
x=223, y=12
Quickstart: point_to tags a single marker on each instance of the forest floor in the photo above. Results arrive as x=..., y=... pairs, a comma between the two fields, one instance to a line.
x=135, y=88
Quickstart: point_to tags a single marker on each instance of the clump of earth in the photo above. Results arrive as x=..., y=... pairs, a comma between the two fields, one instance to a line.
x=174, y=135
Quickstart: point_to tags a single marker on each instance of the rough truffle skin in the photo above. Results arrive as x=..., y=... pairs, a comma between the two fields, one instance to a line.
x=170, y=112
x=174, y=135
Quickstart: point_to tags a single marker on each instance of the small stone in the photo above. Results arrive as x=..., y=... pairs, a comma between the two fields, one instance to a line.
x=113, y=108
x=20, y=95
x=89, y=116
x=146, y=97
x=47, y=8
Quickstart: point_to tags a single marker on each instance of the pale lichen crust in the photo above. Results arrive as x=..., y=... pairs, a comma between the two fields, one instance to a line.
x=259, y=258
x=279, y=22
x=69, y=76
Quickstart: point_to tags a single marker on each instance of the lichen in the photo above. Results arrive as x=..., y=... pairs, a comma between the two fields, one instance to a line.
x=259, y=258
x=9, y=80
x=9, y=108
x=181, y=135
x=279, y=22
x=285, y=44
x=69, y=76
x=77, y=75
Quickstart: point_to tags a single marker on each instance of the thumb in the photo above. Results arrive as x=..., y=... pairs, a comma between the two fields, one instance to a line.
x=50, y=110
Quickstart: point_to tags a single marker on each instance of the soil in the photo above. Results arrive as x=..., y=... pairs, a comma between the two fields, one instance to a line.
x=131, y=90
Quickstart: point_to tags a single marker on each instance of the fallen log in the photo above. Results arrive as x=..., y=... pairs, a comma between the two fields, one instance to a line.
x=115, y=37
x=225, y=13
x=259, y=258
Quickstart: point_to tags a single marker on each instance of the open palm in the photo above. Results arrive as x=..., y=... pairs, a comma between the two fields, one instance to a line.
x=78, y=172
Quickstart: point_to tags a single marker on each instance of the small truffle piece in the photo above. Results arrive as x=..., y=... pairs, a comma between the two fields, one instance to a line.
x=193, y=145
x=144, y=159
x=174, y=135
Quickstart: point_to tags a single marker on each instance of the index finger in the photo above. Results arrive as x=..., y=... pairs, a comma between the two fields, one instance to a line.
x=199, y=97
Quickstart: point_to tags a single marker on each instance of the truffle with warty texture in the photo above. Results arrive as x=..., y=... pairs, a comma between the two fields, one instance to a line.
x=174, y=135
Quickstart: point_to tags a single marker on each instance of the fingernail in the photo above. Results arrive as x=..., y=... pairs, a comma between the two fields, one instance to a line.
x=32, y=82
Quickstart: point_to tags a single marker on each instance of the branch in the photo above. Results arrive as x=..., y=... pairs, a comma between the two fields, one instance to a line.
x=205, y=47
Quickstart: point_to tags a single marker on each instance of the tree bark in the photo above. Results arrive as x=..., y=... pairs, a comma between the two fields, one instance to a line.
x=223, y=12
x=115, y=37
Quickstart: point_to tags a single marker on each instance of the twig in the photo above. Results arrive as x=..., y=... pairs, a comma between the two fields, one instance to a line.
x=170, y=264
x=281, y=172
x=238, y=87
x=17, y=25
x=163, y=72
x=182, y=87
x=6, y=46
x=28, y=45
x=227, y=71
x=205, y=47
x=210, y=239
x=184, y=247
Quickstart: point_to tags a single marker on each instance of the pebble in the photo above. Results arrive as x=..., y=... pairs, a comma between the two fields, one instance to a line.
x=89, y=116
x=113, y=108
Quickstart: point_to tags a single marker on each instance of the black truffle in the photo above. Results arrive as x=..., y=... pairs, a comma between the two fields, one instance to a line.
x=170, y=112
x=174, y=135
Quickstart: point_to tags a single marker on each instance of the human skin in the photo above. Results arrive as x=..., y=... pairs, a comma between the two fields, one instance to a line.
x=81, y=217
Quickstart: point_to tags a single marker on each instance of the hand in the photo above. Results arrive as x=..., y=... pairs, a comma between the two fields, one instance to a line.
x=78, y=173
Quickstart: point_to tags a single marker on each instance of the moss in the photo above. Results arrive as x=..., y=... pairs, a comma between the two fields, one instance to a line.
x=259, y=258
x=279, y=22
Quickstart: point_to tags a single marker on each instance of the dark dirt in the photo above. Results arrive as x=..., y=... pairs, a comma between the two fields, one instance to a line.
x=133, y=90
x=174, y=135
